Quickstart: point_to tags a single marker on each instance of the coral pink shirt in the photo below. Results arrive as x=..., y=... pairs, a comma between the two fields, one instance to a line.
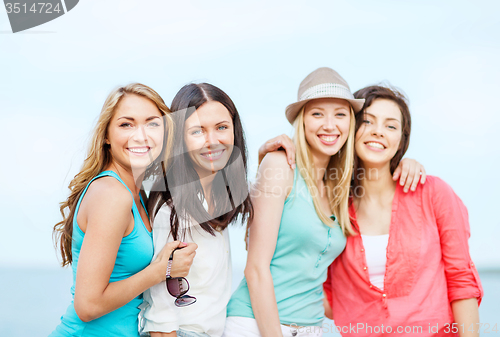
x=428, y=267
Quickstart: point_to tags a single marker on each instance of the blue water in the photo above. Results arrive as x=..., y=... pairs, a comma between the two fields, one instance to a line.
x=32, y=301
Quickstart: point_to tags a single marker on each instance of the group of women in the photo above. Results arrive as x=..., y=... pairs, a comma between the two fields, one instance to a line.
x=330, y=230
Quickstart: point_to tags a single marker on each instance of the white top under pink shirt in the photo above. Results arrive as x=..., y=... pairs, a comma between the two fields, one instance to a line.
x=376, y=257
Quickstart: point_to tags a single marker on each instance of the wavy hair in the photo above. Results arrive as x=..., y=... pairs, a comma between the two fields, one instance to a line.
x=337, y=185
x=99, y=157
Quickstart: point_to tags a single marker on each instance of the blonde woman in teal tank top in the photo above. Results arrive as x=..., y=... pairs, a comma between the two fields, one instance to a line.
x=301, y=216
x=106, y=233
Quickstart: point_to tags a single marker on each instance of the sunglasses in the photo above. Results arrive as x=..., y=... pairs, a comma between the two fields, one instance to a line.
x=178, y=286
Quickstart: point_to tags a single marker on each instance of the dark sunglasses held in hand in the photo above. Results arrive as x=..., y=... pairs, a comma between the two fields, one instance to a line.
x=178, y=286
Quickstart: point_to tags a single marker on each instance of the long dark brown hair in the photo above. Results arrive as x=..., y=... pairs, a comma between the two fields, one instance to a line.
x=370, y=94
x=180, y=187
x=99, y=157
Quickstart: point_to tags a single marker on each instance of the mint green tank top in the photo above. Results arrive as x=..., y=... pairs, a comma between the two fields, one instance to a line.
x=304, y=249
x=135, y=254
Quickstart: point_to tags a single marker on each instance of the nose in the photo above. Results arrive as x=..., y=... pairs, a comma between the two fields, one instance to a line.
x=140, y=135
x=378, y=130
x=330, y=123
x=211, y=137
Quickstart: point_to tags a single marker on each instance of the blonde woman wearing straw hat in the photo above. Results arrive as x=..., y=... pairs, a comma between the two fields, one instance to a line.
x=301, y=216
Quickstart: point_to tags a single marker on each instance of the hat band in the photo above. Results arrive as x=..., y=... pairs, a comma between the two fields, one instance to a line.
x=327, y=90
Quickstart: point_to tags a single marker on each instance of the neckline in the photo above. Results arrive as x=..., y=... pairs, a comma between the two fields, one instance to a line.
x=394, y=209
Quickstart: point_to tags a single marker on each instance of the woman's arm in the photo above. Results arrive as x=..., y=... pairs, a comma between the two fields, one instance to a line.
x=463, y=285
x=274, y=181
x=108, y=214
x=466, y=314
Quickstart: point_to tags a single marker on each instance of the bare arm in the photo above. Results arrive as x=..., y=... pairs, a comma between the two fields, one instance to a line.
x=108, y=216
x=464, y=287
x=466, y=313
x=268, y=197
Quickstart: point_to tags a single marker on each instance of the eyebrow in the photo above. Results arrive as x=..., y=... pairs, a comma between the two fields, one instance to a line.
x=336, y=109
x=387, y=119
x=132, y=119
x=201, y=127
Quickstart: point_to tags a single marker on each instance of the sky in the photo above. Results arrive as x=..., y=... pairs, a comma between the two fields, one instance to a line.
x=54, y=79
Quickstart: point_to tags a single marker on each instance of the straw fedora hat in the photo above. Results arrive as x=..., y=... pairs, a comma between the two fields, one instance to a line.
x=322, y=83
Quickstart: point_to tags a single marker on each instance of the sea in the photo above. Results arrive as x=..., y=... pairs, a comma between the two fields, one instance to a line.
x=33, y=300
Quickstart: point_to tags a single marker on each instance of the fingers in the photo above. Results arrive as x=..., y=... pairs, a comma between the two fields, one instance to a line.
x=412, y=173
x=189, y=248
x=423, y=175
x=282, y=141
x=397, y=173
x=173, y=245
x=404, y=174
x=409, y=178
x=183, y=258
x=289, y=147
x=416, y=178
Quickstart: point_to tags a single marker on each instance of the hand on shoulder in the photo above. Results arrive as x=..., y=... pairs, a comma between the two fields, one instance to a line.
x=274, y=176
x=277, y=162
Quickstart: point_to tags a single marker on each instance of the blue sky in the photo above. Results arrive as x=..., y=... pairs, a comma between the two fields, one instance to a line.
x=54, y=79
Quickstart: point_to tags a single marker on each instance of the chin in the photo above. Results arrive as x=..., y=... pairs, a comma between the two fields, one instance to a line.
x=370, y=161
x=330, y=152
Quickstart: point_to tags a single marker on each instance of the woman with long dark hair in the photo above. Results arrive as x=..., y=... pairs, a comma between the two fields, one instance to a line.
x=203, y=190
x=407, y=267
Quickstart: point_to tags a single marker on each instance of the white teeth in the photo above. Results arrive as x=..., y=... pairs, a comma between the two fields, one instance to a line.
x=213, y=154
x=328, y=138
x=376, y=145
x=139, y=150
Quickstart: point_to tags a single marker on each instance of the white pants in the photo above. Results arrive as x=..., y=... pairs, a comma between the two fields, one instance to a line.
x=247, y=327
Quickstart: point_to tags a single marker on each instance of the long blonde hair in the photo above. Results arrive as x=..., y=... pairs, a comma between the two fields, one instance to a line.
x=99, y=157
x=337, y=186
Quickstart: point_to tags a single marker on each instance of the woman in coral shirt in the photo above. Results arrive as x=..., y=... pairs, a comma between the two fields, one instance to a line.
x=408, y=269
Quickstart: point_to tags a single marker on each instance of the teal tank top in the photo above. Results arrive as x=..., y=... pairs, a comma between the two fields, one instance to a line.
x=304, y=249
x=135, y=254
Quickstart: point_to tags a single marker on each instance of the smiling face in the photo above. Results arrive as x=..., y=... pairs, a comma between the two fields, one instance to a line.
x=326, y=125
x=378, y=138
x=209, y=137
x=135, y=133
